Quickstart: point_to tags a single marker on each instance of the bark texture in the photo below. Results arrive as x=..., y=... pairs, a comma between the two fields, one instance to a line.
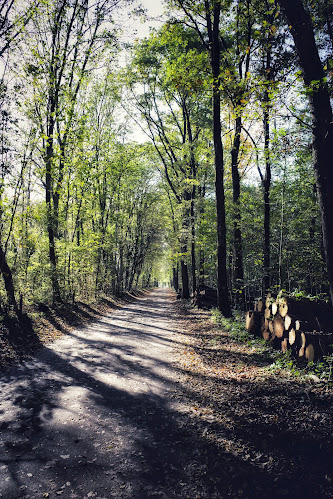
x=222, y=277
x=322, y=125
x=8, y=280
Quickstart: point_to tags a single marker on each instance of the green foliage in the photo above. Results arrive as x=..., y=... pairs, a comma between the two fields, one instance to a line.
x=285, y=361
x=121, y=211
x=234, y=325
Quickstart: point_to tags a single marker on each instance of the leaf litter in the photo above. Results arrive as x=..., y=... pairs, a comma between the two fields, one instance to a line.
x=274, y=431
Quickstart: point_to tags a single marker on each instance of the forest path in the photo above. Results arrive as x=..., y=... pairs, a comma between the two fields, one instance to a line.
x=93, y=414
x=154, y=401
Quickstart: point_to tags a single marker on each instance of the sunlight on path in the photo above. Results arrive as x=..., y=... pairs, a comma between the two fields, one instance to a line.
x=91, y=417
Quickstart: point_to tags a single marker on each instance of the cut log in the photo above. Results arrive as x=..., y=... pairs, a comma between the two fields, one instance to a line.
x=287, y=322
x=301, y=350
x=310, y=353
x=302, y=325
x=205, y=297
x=292, y=336
x=295, y=341
x=284, y=345
x=267, y=312
x=266, y=334
x=249, y=319
x=269, y=300
x=318, y=314
x=283, y=309
x=278, y=326
x=253, y=322
x=310, y=325
x=317, y=345
x=260, y=305
x=275, y=307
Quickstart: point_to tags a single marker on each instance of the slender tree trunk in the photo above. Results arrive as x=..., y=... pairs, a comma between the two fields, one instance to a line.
x=322, y=119
x=201, y=266
x=222, y=278
x=238, y=246
x=184, y=248
x=193, y=258
x=184, y=274
x=8, y=280
x=202, y=192
x=120, y=271
x=50, y=217
x=57, y=190
x=175, y=277
x=192, y=201
x=267, y=207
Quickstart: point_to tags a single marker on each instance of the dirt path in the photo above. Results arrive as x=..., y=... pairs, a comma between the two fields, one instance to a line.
x=93, y=416
x=144, y=403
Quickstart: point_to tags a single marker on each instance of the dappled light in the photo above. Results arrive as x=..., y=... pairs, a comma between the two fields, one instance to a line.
x=166, y=249
x=152, y=400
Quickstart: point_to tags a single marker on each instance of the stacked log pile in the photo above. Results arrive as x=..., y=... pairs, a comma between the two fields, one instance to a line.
x=205, y=297
x=303, y=326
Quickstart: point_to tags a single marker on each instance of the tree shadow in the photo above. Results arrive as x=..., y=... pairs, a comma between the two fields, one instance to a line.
x=65, y=420
x=156, y=451
x=20, y=335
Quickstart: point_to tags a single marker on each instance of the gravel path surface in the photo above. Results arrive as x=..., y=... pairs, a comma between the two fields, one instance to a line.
x=95, y=414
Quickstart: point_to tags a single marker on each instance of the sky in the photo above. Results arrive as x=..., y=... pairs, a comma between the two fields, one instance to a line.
x=155, y=10
x=155, y=7
x=135, y=27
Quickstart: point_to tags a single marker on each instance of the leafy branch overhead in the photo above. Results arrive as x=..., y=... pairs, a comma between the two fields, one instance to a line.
x=181, y=157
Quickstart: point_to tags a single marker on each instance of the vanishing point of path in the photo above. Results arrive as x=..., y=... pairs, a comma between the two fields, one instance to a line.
x=151, y=401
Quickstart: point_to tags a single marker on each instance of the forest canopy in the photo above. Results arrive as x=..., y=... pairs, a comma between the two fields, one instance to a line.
x=205, y=159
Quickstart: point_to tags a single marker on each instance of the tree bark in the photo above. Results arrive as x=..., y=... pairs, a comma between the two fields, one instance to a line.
x=192, y=208
x=49, y=215
x=184, y=274
x=322, y=122
x=175, y=279
x=223, y=299
x=267, y=206
x=193, y=256
x=8, y=280
x=238, y=247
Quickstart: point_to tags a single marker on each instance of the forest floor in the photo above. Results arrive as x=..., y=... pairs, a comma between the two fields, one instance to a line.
x=154, y=400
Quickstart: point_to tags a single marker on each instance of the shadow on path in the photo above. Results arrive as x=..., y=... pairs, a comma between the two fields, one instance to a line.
x=101, y=414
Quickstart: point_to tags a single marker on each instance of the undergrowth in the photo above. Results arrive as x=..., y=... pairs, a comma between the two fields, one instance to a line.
x=321, y=370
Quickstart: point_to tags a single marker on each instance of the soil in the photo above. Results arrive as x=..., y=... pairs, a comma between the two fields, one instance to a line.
x=152, y=400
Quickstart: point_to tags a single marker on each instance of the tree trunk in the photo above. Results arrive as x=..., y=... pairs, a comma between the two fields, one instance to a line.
x=238, y=250
x=192, y=208
x=193, y=259
x=184, y=273
x=184, y=247
x=267, y=206
x=8, y=280
x=50, y=217
x=222, y=278
x=322, y=146
x=175, y=277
